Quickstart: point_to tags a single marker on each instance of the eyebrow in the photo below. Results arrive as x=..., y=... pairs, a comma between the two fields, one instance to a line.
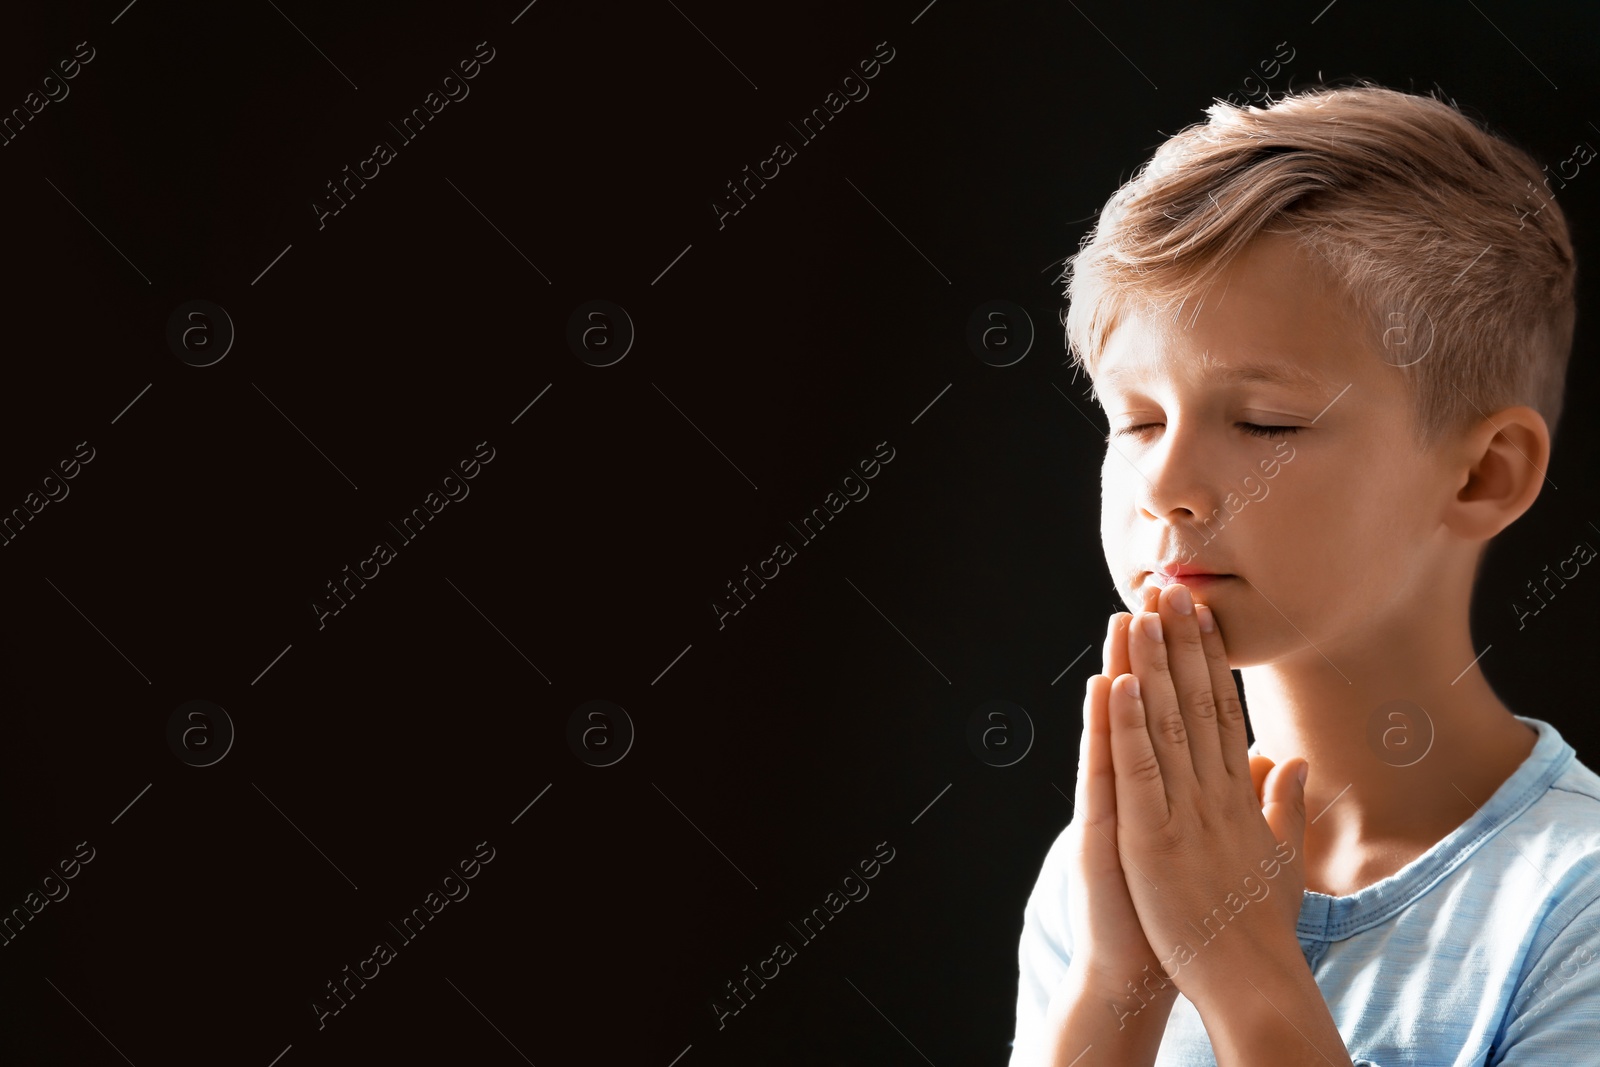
x=1287, y=374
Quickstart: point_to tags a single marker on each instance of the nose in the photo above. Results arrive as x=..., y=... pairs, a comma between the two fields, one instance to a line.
x=1179, y=483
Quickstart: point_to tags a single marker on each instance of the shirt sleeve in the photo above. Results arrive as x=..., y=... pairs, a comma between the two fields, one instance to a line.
x=1555, y=1013
x=1043, y=952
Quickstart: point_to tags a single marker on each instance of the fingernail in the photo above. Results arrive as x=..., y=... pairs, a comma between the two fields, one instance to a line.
x=1182, y=601
x=1301, y=773
x=1133, y=686
x=1207, y=623
x=1152, y=626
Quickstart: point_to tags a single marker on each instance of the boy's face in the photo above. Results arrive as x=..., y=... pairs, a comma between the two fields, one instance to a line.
x=1328, y=533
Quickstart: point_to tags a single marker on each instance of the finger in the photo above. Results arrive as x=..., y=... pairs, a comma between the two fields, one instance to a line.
x=1169, y=734
x=1193, y=681
x=1259, y=766
x=1107, y=643
x=1232, y=736
x=1285, y=806
x=1096, y=795
x=1102, y=788
x=1116, y=651
x=1141, y=795
x=1080, y=789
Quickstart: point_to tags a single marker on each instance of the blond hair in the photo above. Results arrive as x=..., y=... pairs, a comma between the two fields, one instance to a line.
x=1423, y=219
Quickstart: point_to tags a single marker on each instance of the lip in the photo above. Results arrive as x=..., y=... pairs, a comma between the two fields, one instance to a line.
x=1179, y=570
x=1191, y=576
x=1194, y=580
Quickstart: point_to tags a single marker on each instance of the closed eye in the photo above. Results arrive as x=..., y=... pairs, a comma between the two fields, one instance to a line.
x=1249, y=427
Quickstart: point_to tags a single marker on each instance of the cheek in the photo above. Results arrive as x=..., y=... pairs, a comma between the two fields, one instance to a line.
x=1344, y=563
x=1385, y=540
x=1115, y=544
x=1297, y=545
x=1116, y=521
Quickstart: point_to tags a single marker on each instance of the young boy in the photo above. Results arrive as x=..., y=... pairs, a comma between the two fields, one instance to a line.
x=1330, y=337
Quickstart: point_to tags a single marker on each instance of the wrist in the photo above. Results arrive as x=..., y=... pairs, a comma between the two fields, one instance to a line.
x=1282, y=965
x=1130, y=998
x=1086, y=1012
x=1278, y=1016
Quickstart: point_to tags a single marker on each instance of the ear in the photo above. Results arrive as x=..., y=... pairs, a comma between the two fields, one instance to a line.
x=1500, y=466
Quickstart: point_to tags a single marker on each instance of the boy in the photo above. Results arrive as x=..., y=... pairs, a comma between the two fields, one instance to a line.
x=1354, y=307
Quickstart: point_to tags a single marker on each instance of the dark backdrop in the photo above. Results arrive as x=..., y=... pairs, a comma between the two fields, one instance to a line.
x=774, y=351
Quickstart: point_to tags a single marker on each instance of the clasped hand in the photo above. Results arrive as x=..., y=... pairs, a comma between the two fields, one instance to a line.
x=1204, y=833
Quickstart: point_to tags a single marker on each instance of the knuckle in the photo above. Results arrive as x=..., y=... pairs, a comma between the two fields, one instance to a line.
x=1158, y=662
x=1168, y=839
x=1202, y=705
x=1229, y=712
x=1172, y=730
x=1146, y=768
x=1191, y=642
x=1092, y=824
x=1250, y=799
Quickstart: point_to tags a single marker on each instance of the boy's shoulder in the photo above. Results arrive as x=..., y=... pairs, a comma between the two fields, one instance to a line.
x=1569, y=800
x=1548, y=871
x=1556, y=830
x=1580, y=780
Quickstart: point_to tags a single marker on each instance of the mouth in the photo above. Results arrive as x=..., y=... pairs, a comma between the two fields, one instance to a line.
x=1192, y=581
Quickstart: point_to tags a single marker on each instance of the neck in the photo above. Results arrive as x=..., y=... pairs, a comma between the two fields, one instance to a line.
x=1403, y=733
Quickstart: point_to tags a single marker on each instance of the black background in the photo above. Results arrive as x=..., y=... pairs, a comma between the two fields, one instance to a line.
x=771, y=356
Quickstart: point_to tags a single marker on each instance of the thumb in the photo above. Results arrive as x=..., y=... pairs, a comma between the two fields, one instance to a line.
x=1284, y=803
x=1259, y=767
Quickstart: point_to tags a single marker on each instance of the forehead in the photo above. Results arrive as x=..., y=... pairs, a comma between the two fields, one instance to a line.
x=1269, y=319
x=1285, y=370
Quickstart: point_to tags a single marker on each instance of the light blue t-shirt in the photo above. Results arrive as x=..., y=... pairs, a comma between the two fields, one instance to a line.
x=1484, y=950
